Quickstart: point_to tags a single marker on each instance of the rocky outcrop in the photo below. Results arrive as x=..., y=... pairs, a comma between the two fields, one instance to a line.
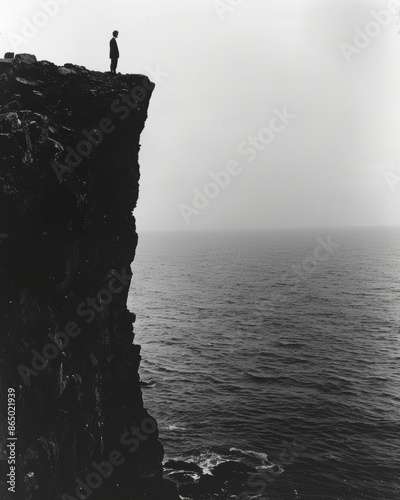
x=224, y=480
x=69, y=144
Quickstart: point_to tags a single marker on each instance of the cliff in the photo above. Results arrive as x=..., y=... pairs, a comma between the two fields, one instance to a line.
x=69, y=144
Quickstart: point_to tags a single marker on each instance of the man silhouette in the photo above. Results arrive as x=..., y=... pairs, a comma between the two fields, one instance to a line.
x=114, y=52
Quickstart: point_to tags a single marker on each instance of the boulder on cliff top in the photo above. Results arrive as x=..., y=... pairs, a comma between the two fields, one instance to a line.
x=26, y=58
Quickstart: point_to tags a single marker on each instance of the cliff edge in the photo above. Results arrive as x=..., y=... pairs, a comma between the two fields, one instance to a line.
x=69, y=144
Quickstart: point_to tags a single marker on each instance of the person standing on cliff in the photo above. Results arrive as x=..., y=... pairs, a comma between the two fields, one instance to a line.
x=114, y=52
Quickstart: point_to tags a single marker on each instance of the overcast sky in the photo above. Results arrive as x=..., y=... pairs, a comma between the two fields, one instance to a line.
x=303, y=127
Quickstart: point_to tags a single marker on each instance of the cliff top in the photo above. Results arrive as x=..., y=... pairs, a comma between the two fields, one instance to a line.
x=26, y=83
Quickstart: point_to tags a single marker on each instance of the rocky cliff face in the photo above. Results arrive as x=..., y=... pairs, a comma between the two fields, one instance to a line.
x=69, y=144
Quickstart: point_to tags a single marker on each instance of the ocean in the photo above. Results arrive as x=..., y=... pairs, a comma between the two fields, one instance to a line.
x=276, y=349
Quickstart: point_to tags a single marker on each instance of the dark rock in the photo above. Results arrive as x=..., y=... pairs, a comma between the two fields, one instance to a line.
x=9, y=121
x=66, y=71
x=230, y=468
x=5, y=65
x=180, y=465
x=181, y=478
x=70, y=235
x=25, y=83
x=26, y=58
x=10, y=106
x=207, y=485
x=9, y=55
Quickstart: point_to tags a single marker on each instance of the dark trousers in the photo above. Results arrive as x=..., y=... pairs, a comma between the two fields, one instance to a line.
x=114, y=63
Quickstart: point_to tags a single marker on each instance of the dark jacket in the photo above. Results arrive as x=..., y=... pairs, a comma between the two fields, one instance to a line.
x=114, y=52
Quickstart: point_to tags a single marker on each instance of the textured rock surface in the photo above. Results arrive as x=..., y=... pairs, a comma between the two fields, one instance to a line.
x=67, y=241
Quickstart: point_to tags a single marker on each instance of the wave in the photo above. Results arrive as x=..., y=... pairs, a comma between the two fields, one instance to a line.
x=206, y=459
x=251, y=453
x=174, y=427
x=150, y=383
x=262, y=458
